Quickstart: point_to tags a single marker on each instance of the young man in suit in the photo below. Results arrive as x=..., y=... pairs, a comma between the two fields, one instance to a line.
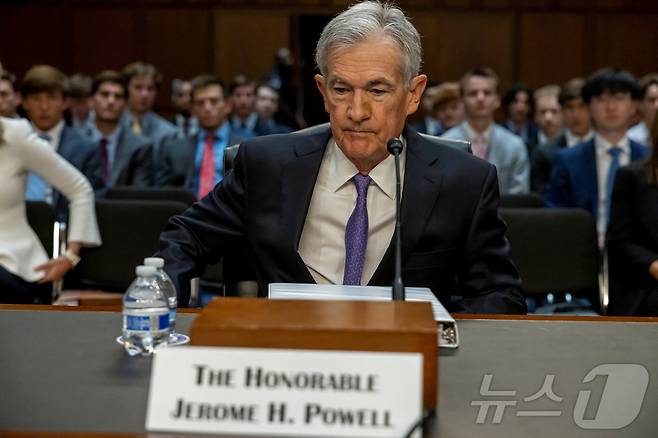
x=126, y=158
x=491, y=142
x=318, y=205
x=45, y=98
x=142, y=83
x=10, y=99
x=267, y=106
x=196, y=162
x=548, y=114
x=243, y=99
x=583, y=176
x=648, y=109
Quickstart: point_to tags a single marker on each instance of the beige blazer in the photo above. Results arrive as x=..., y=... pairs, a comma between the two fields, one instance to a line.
x=22, y=152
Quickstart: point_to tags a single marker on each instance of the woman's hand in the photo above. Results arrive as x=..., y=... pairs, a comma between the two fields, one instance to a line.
x=54, y=269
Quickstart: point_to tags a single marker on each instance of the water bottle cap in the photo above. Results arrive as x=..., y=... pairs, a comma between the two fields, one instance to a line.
x=157, y=262
x=145, y=271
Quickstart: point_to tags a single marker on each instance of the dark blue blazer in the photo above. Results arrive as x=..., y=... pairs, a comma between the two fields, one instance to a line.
x=84, y=154
x=574, y=182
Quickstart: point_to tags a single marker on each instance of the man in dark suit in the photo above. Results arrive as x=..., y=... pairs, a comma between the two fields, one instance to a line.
x=194, y=162
x=45, y=98
x=267, y=107
x=578, y=129
x=126, y=158
x=319, y=206
x=583, y=176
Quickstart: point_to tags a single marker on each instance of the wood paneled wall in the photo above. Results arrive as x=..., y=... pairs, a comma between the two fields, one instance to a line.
x=538, y=41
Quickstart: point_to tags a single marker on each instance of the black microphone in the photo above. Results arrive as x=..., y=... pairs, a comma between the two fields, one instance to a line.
x=395, y=147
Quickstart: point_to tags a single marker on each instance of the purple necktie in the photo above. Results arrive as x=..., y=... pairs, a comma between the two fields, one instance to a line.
x=356, y=233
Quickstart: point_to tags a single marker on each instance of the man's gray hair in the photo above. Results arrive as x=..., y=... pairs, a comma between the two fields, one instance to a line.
x=365, y=19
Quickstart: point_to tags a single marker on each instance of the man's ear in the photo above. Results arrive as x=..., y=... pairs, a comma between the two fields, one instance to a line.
x=321, y=83
x=416, y=89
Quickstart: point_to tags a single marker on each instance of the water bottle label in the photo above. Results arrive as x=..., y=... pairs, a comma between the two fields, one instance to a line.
x=147, y=322
x=172, y=316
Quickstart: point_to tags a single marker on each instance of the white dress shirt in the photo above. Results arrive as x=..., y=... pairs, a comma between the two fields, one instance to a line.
x=603, y=161
x=322, y=243
x=573, y=139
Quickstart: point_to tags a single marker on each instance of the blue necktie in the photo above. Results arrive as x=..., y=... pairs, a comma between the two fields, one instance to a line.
x=37, y=186
x=356, y=233
x=614, y=165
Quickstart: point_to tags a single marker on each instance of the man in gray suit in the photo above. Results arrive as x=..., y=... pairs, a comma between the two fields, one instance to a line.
x=127, y=159
x=196, y=162
x=142, y=82
x=490, y=141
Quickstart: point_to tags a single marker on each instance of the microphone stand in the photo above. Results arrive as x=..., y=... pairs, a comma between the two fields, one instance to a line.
x=395, y=148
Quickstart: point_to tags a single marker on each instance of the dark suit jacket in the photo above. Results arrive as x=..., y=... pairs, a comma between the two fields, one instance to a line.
x=452, y=242
x=542, y=163
x=632, y=240
x=133, y=162
x=264, y=128
x=85, y=156
x=175, y=163
x=574, y=181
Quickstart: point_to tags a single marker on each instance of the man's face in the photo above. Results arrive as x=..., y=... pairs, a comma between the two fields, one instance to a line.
x=267, y=102
x=649, y=104
x=548, y=116
x=141, y=94
x=45, y=109
x=182, y=98
x=450, y=113
x=210, y=107
x=109, y=102
x=576, y=116
x=243, y=98
x=519, y=109
x=367, y=99
x=9, y=99
x=80, y=107
x=612, y=112
x=480, y=97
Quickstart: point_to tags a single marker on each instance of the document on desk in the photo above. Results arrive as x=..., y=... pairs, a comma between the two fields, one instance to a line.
x=447, y=327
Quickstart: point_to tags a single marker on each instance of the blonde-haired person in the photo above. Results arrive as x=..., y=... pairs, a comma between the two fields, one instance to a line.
x=633, y=236
x=26, y=272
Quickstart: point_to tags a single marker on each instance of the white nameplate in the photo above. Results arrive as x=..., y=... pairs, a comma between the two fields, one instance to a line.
x=285, y=392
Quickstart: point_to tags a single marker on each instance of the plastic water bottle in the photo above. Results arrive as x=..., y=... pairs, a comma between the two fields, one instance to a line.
x=145, y=314
x=167, y=287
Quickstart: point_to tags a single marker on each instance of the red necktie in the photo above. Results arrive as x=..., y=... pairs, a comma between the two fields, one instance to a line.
x=105, y=161
x=207, y=173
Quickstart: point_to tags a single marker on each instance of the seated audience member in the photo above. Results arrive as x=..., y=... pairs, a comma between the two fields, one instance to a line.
x=548, y=114
x=648, y=108
x=243, y=99
x=26, y=272
x=126, y=158
x=299, y=199
x=267, y=106
x=519, y=107
x=578, y=129
x=490, y=141
x=142, y=83
x=10, y=99
x=633, y=237
x=429, y=125
x=45, y=98
x=80, y=104
x=181, y=101
x=583, y=175
x=447, y=106
x=196, y=162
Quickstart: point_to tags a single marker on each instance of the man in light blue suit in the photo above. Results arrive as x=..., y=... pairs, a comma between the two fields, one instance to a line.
x=490, y=141
x=45, y=97
x=142, y=82
x=583, y=176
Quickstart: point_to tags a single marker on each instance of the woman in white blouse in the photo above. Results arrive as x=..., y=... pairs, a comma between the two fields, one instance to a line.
x=26, y=272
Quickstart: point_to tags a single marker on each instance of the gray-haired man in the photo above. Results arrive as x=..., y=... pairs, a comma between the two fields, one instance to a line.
x=318, y=206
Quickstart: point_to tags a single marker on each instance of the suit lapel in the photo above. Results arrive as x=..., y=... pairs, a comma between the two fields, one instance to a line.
x=188, y=154
x=121, y=156
x=638, y=151
x=298, y=180
x=589, y=173
x=422, y=183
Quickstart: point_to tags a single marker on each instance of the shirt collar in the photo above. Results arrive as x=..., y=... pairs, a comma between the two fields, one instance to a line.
x=573, y=139
x=602, y=145
x=54, y=133
x=471, y=134
x=96, y=135
x=219, y=133
x=383, y=174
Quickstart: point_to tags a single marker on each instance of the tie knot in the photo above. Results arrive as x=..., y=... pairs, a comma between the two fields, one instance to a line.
x=614, y=151
x=361, y=182
x=210, y=137
x=103, y=142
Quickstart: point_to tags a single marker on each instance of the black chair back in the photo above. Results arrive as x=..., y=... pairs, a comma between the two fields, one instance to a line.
x=555, y=250
x=525, y=200
x=130, y=231
x=173, y=194
x=41, y=217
